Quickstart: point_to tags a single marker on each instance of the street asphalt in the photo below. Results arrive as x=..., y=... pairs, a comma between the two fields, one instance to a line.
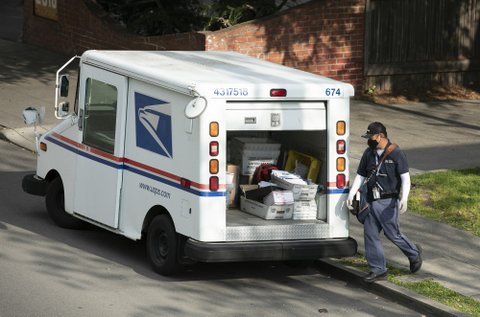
x=434, y=135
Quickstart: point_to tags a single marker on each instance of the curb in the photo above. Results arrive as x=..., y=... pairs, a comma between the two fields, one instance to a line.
x=17, y=138
x=388, y=290
x=23, y=137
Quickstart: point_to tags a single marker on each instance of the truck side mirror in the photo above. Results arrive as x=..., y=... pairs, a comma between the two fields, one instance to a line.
x=195, y=107
x=64, y=83
x=62, y=109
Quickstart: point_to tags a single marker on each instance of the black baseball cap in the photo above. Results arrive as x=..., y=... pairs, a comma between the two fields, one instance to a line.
x=375, y=128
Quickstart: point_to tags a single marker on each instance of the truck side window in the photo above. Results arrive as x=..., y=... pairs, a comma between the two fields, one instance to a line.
x=100, y=115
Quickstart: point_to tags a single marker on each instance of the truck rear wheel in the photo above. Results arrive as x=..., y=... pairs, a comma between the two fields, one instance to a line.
x=162, y=246
x=55, y=201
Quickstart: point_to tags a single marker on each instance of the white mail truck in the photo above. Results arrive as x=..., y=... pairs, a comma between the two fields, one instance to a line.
x=144, y=151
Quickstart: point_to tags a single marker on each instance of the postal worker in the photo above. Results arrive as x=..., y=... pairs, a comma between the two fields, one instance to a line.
x=388, y=189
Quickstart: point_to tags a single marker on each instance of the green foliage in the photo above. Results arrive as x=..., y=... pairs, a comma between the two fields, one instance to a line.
x=451, y=197
x=156, y=17
x=226, y=13
x=371, y=90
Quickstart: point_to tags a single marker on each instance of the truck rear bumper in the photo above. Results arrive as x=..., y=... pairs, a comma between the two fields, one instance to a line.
x=32, y=184
x=269, y=250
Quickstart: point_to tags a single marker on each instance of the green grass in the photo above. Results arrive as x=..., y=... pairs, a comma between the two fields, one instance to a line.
x=451, y=197
x=427, y=287
x=434, y=290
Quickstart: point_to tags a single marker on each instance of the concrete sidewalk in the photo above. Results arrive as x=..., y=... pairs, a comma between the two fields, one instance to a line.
x=439, y=135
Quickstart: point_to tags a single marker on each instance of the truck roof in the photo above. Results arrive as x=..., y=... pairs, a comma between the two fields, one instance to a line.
x=186, y=69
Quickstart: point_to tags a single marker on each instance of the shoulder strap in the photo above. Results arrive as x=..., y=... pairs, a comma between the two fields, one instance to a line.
x=388, y=150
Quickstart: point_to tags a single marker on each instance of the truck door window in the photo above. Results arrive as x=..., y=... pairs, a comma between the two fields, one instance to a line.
x=100, y=115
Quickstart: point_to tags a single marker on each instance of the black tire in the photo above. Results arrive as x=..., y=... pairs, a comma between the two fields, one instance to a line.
x=162, y=246
x=55, y=201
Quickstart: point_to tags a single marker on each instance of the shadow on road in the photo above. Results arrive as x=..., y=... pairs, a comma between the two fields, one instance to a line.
x=19, y=61
x=29, y=213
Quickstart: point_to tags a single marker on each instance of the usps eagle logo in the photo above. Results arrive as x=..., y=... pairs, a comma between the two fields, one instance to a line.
x=153, y=124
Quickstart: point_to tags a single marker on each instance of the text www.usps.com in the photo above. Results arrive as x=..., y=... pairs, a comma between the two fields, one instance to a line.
x=155, y=191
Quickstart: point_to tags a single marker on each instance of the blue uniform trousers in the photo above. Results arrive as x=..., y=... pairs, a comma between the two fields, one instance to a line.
x=384, y=215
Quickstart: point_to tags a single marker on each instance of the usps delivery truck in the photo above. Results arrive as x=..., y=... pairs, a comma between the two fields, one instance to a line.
x=144, y=153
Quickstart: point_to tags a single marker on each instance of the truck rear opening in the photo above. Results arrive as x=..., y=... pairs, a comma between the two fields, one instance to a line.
x=288, y=230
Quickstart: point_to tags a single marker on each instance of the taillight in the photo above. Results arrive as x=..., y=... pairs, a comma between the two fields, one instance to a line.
x=341, y=127
x=341, y=147
x=214, y=129
x=213, y=166
x=213, y=183
x=341, y=164
x=213, y=148
x=341, y=181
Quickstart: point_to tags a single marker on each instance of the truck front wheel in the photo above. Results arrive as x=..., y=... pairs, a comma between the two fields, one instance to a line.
x=55, y=201
x=162, y=244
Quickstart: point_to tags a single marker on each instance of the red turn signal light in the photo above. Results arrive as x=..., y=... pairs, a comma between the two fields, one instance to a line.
x=341, y=181
x=213, y=184
x=278, y=92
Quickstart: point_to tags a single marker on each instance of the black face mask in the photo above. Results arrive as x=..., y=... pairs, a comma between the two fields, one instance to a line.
x=372, y=144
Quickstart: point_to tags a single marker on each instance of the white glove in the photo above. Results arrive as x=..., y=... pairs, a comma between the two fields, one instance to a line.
x=402, y=207
x=349, y=203
x=353, y=190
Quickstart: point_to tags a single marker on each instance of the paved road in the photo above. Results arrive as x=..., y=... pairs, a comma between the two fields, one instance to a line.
x=49, y=271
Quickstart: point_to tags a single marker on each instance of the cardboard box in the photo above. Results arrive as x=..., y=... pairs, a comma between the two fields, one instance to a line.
x=266, y=212
x=254, y=192
x=251, y=160
x=305, y=210
x=279, y=197
x=251, y=152
x=301, y=189
x=232, y=184
x=255, y=144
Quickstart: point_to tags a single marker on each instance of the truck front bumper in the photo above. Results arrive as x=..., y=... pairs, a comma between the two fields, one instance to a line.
x=269, y=250
x=32, y=184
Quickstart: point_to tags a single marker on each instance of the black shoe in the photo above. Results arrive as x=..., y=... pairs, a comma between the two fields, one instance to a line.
x=372, y=277
x=416, y=264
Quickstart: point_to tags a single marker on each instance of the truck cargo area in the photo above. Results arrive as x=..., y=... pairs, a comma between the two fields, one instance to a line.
x=243, y=226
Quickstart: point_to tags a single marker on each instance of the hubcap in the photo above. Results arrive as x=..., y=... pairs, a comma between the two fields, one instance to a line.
x=162, y=246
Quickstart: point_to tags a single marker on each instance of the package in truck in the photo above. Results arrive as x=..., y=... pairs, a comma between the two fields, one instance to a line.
x=251, y=152
x=302, y=190
x=306, y=166
x=266, y=212
x=305, y=210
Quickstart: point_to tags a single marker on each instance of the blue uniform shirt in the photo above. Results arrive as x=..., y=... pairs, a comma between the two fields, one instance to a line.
x=388, y=176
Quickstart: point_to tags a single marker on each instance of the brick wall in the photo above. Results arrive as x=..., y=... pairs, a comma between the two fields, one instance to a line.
x=324, y=37
x=81, y=27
